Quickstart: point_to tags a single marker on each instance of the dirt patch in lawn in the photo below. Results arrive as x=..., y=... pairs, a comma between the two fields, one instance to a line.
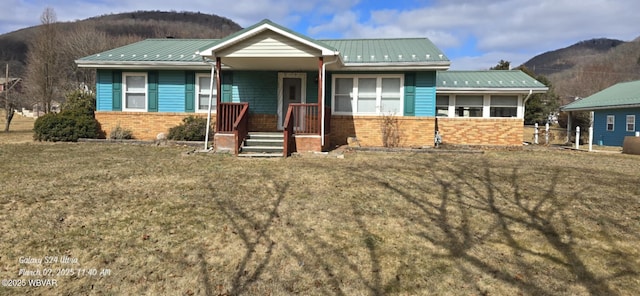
x=163, y=222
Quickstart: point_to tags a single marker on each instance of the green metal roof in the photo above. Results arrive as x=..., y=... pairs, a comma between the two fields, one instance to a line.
x=357, y=52
x=407, y=50
x=621, y=95
x=488, y=79
x=152, y=50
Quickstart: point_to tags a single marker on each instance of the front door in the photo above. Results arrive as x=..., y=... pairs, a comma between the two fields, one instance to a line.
x=291, y=89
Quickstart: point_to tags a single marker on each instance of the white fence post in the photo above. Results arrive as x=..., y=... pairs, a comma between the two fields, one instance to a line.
x=577, y=137
x=591, y=138
x=546, y=133
x=535, y=133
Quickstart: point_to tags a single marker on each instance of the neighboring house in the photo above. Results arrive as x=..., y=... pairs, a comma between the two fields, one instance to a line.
x=266, y=74
x=8, y=83
x=616, y=112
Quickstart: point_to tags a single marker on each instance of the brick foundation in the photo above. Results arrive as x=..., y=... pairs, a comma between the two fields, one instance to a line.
x=481, y=131
x=310, y=143
x=144, y=125
x=224, y=142
x=263, y=122
x=414, y=131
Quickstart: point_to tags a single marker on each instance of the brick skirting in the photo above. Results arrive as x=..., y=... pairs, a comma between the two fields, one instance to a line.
x=144, y=125
x=414, y=131
x=481, y=131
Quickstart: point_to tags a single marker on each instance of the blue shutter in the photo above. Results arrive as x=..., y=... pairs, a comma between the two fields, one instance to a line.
x=227, y=86
x=152, y=86
x=117, y=91
x=190, y=88
x=409, y=94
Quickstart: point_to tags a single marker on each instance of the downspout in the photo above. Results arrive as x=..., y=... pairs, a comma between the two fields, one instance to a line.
x=324, y=82
x=213, y=73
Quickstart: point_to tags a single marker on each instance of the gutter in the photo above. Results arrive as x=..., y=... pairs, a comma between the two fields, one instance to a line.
x=206, y=136
x=324, y=81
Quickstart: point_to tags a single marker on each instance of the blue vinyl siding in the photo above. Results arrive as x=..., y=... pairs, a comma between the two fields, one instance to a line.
x=171, y=91
x=312, y=87
x=258, y=88
x=425, y=100
x=104, y=90
x=615, y=137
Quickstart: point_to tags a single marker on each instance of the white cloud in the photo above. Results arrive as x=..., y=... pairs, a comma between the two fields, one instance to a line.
x=512, y=28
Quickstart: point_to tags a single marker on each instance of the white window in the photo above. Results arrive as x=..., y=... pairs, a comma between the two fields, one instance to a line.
x=631, y=123
x=504, y=106
x=611, y=120
x=469, y=106
x=442, y=106
x=368, y=94
x=134, y=95
x=203, y=84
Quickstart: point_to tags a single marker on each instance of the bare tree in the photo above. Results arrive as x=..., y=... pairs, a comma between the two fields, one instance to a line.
x=9, y=103
x=44, y=69
x=80, y=42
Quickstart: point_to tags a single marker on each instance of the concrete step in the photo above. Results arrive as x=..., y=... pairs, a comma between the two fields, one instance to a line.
x=262, y=155
x=262, y=149
x=264, y=142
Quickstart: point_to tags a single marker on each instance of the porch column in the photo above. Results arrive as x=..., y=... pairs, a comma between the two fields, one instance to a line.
x=218, y=93
x=320, y=97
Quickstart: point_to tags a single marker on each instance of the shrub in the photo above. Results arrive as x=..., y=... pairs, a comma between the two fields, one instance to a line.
x=192, y=128
x=64, y=127
x=390, y=126
x=76, y=120
x=120, y=133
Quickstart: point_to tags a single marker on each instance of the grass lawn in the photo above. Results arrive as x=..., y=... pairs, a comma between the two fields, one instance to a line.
x=20, y=129
x=156, y=221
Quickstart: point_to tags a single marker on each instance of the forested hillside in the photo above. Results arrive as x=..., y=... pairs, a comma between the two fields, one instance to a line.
x=588, y=66
x=114, y=30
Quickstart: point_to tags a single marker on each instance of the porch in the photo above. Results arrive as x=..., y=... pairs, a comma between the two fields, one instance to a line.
x=305, y=128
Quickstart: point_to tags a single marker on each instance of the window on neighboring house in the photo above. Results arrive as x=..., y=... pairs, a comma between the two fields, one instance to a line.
x=442, y=106
x=135, y=91
x=469, y=106
x=368, y=94
x=504, y=106
x=203, y=84
x=631, y=123
x=611, y=120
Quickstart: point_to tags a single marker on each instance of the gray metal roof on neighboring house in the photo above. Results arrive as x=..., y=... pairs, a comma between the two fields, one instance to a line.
x=488, y=79
x=621, y=95
x=401, y=50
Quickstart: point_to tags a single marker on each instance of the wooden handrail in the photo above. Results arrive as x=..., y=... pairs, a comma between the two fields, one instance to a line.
x=288, y=132
x=229, y=113
x=240, y=127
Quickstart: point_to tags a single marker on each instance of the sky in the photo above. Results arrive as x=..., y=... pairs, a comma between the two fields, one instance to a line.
x=474, y=35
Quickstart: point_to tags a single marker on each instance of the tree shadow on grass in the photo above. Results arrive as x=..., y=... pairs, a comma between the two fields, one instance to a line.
x=252, y=238
x=467, y=187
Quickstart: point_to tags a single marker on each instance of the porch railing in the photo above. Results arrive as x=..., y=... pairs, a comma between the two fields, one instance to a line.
x=241, y=127
x=229, y=113
x=289, y=143
x=303, y=119
x=234, y=118
x=306, y=118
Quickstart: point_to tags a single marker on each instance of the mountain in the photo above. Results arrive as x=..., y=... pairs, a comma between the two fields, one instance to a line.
x=589, y=66
x=121, y=29
x=558, y=60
